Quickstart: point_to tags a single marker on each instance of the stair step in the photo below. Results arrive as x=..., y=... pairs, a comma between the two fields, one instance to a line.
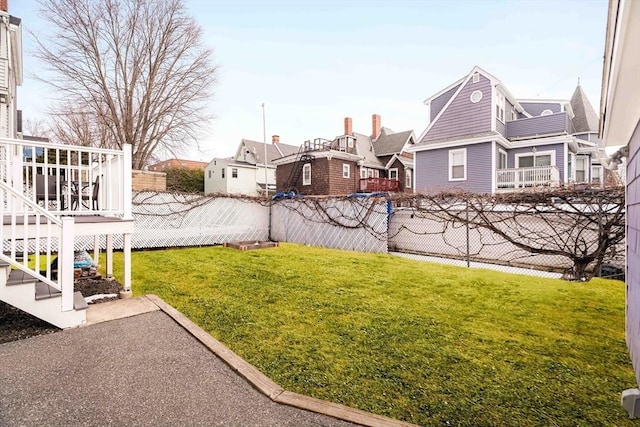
x=19, y=277
x=79, y=302
x=44, y=291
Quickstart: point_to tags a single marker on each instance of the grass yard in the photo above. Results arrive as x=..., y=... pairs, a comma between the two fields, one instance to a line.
x=425, y=343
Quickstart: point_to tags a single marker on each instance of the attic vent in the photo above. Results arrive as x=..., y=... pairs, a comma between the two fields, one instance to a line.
x=546, y=112
x=476, y=77
x=476, y=96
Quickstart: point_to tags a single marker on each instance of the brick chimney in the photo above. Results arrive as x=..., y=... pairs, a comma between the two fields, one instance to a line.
x=4, y=5
x=375, y=126
x=348, y=128
x=275, y=139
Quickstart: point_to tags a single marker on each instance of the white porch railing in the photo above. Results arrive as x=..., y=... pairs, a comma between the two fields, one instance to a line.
x=69, y=180
x=527, y=177
x=28, y=228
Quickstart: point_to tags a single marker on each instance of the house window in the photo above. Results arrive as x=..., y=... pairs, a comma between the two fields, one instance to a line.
x=393, y=174
x=476, y=77
x=376, y=173
x=407, y=178
x=596, y=174
x=223, y=172
x=500, y=107
x=502, y=159
x=369, y=173
x=209, y=174
x=346, y=170
x=541, y=158
x=476, y=96
x=363, y=173
x=458, y=164
x=306, y=174
x=546, y=113
x=234, y=172
x=581, y=169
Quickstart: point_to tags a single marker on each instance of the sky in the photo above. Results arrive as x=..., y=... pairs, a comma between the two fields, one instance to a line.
x=313, y=63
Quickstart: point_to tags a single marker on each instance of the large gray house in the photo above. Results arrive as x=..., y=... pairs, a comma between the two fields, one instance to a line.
x=480, y=138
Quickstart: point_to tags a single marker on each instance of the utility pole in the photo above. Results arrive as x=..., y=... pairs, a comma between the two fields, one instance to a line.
x=264, y=140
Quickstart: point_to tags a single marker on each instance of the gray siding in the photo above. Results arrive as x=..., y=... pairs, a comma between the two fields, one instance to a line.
x=463, y=117
x=501, y=128
x=633, y=250
x=543, y=125
x=432, y=170
x=535, y=108
x=438, y=103
x=558, y=148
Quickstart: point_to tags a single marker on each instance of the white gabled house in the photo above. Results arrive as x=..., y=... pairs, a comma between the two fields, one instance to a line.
x=244, y=173
x=52, y=196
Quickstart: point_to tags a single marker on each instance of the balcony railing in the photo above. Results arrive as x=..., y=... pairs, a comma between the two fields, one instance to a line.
x=553, y=124
x=69, y=180
x=369, y=185
x=345, y=143
x=527, y=177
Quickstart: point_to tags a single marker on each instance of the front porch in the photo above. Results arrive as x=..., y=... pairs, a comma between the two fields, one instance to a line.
x=518, y=178
x=51, y=195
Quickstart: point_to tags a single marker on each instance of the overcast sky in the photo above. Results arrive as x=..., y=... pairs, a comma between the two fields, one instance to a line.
x=315, y=62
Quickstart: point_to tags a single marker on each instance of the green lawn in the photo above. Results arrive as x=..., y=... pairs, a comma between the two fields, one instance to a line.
x=425, y=343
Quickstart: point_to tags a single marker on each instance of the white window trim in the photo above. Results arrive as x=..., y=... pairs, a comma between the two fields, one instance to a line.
x=363, y=173
x=546, y=112
x=346, y=170
x=538, y=153
x=600, y=170
x=587, y=177
x=476, y=77
x=464, y=164
x=479, y=92
x=234, y=171
x=396, y=171
x=407, y=178
x=506, y=158
x=305, y=168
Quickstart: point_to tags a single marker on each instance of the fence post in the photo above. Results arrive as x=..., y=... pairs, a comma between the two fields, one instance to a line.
x=467, y=227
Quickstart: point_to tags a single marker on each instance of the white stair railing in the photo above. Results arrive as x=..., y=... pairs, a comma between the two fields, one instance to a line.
x=527, y=177
x=27, y=230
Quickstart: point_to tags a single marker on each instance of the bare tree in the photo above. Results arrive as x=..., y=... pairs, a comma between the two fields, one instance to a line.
x=582, y=225
x=127, y=71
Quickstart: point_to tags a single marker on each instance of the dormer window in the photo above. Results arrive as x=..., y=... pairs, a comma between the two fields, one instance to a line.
x=476, y=77
x=546, y=113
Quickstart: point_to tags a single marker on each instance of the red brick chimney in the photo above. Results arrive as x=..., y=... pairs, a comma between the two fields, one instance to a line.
x=274, y=138
x=348, y=129
x=4, y=5
x=376, y=125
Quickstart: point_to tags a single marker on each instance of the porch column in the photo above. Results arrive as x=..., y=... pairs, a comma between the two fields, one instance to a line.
x=109, y=256
x=65, y=262
x=126, y=262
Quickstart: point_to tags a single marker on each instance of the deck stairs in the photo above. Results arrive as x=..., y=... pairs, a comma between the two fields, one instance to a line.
x=24, y=291
x=49, y=195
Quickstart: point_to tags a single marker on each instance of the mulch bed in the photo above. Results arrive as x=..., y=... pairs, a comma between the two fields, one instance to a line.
x=16, y=324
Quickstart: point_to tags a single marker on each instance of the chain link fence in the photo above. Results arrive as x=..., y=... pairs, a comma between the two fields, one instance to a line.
x=358, y=224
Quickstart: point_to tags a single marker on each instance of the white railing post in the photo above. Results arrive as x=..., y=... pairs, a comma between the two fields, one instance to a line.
x=65, y=262
x=127, y=179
